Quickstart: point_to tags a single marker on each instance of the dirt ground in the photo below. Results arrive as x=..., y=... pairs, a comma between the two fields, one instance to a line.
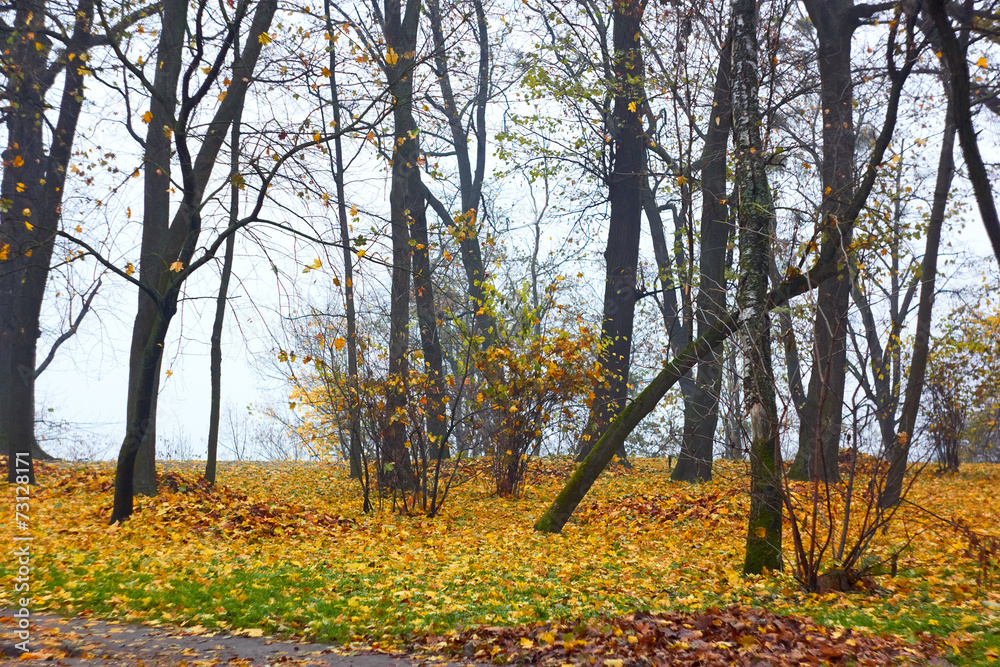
x=85, y=641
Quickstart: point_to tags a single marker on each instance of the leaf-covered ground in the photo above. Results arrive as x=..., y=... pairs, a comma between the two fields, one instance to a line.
x=647, y=570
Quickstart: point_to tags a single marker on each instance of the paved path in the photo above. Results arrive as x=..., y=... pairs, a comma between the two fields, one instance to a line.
x=85, y=641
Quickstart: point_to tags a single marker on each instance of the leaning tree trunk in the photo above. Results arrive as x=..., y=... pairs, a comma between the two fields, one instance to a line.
x=625, y=186
x=701, y=409
x=795, y=283
x=754, y=212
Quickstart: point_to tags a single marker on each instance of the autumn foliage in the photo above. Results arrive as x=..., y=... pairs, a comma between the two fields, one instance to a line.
x=284, y=548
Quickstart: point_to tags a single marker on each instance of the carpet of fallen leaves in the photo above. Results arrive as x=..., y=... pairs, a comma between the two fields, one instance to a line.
x=647, y=571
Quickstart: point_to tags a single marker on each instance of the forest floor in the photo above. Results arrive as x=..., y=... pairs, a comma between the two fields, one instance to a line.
x=647, y=571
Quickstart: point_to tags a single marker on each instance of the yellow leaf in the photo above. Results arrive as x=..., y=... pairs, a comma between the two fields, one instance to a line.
x=26, y=213
x=3, y=251
x=18, y=161
x=129, y=269
x=79, y=229
x=254, y=632
x=147, y=117
x=222, y=95
x=631, y=106
x=527, y=643
x=20, y=187
x=361, y=252
x=982, y=63
x=339, y=343
x=177, y=267
x=29, y=225
x=169, y=372
x=264, y=38
x=391, y=56
x=354, y=211
x=325, y=71
x=681, y=180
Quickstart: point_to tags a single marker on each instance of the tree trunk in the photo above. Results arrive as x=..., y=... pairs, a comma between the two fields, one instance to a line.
x=215, y=361
x=33, y=183
x=406, y=201
x=820, y=423
x=436, y=413
x=355, y=452
x=165, y=243
x=701, y=410
x=958, y=67
x=625, y=186
x=153, y=262
x=754, y=213
x=795, y=283
x=471, y=174
x=897, y=449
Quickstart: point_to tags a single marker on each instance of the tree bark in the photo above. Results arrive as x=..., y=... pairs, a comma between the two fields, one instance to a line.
x=406, y=201
x=625, y=186
x=32, y=183
x=754, y=213
x=821, y=415
x=701, y=410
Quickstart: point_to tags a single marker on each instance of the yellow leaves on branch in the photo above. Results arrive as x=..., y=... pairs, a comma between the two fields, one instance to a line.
x=391, y=56
x=264, y=38
x=177, y=267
